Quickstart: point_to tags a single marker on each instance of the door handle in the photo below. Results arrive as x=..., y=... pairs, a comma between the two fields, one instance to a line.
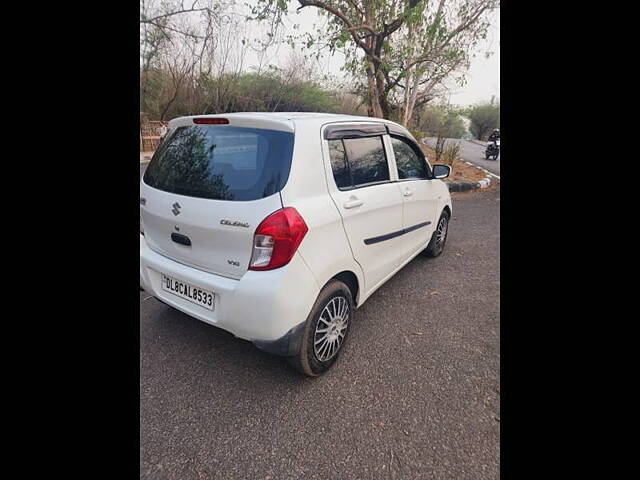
x=407, y=193
x=353, y=202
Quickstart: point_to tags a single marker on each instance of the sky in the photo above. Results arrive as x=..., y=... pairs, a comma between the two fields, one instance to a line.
x=483, y=77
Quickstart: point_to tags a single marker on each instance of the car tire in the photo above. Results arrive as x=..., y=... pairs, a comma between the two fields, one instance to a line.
x=439, y=237
x=325, y=335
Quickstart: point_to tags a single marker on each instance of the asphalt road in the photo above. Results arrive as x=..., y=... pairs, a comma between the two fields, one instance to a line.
x=472, y=152
x=415, y=393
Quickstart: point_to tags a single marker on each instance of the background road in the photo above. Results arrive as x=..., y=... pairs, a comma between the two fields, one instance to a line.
x=414, y=394
x=472, y=152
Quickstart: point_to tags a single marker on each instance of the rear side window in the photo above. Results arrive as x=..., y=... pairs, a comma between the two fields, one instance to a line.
x=358, y=161
x=410, y=164
x=339, y=164
x=222, y=162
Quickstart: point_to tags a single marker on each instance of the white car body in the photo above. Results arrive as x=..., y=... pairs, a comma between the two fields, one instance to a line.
x=268, y=307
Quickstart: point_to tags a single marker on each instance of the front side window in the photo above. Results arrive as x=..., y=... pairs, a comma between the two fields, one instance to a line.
x=222, y=162
x=410, y=164
x=358, y=161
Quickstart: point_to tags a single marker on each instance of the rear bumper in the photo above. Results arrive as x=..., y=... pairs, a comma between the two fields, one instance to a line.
x=262, y=307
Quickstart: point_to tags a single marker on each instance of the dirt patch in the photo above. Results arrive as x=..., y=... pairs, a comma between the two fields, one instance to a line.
x=460, y=171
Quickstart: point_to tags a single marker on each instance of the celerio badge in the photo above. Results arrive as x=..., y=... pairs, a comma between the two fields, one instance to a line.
x=234, y=223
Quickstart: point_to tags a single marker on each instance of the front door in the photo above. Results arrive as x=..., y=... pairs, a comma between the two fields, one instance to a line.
x=420, y=198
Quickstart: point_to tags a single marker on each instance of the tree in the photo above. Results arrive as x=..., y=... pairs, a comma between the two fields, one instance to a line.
x=484, y=118
x=413, y=45
x=435, y=45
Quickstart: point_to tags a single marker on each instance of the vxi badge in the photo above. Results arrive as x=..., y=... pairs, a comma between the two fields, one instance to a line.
x=234, y=223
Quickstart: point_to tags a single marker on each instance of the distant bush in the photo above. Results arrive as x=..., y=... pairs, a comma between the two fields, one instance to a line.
x=485, y=117
x=247, y=92
x=417, y=134
x=440, y=120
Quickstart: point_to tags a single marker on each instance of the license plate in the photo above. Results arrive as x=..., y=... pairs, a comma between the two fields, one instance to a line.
x=187, y=291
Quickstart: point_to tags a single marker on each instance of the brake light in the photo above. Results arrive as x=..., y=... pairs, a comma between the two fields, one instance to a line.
x=210, y=121
x=276, y=239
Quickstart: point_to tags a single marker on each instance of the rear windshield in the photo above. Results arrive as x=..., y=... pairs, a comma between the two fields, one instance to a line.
x=222, y=162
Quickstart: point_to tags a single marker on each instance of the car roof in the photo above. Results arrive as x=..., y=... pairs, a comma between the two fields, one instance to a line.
x=286, y=121
x=293, y=117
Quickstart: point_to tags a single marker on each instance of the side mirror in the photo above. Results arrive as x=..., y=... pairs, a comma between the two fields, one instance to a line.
x=441, y=171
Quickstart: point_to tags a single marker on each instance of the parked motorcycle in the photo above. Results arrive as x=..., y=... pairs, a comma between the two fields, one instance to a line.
x=493, y=150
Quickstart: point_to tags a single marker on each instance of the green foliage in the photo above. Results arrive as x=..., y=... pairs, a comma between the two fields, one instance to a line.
x=440, y=121
x=484, y=118
x=272, y=92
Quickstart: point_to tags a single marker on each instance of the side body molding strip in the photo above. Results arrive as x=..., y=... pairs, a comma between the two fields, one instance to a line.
x=389, y=236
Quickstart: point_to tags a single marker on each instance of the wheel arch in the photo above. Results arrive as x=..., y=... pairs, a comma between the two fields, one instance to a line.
x=350, y=279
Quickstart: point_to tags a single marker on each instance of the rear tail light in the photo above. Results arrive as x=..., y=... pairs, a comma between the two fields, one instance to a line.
x=276, y=239
x=210, y=121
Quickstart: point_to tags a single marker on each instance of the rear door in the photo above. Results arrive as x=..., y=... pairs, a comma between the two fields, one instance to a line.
x=369, y=202
x=206, y=190
x=419, y=194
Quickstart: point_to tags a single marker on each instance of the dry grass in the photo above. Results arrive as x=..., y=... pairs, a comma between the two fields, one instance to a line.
x=460, y=171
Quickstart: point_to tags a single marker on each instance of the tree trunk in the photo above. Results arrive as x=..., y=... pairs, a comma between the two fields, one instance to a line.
x=411, y=95
x=385, y=108
x=374, y=95
x=377, y=98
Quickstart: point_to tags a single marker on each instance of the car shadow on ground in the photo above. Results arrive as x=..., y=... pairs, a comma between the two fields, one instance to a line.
x=210, y=345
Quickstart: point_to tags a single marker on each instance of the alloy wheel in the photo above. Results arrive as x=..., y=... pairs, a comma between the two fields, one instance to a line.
x=441, y=233
x=331, y=328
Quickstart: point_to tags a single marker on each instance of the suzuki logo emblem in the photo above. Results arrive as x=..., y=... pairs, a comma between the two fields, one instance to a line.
x=176, y=208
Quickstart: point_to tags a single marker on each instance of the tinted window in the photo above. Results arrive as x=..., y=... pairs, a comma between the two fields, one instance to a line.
x=409, y=163
x=367, y=160
x=339, y=163
x=222, y=162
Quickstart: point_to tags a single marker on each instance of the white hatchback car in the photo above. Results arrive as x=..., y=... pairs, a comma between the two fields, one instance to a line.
x=277, y=226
